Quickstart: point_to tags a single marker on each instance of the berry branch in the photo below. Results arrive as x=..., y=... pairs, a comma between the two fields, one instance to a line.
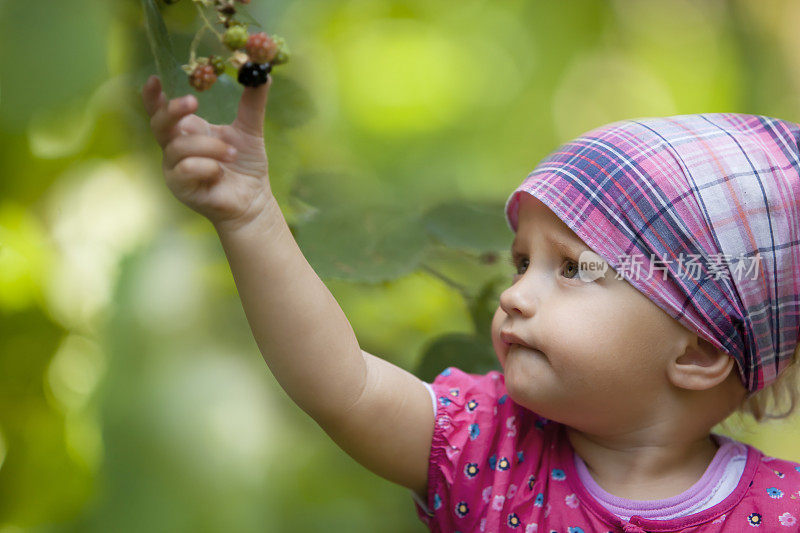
x=252, y=55
x=206, y=21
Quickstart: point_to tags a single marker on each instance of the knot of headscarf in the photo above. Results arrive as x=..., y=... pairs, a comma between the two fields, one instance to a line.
x=707, y=207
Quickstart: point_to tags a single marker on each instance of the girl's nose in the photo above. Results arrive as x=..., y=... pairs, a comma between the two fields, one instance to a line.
x=520, y=298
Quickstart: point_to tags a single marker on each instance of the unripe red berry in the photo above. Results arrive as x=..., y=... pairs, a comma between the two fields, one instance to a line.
x=203, y=77
x=261, y=48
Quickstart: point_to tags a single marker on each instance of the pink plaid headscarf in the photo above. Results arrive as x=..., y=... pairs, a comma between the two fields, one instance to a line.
x=713, y=200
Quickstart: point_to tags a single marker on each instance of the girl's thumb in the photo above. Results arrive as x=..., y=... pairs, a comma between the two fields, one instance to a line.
x=252, y=106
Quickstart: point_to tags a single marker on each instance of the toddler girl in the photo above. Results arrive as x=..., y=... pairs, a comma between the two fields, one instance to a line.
x=657, y=290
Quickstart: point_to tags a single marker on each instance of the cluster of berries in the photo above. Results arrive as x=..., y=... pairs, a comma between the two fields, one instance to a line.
x=253, y=55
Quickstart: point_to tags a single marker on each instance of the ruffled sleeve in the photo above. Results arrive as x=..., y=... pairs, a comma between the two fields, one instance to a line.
x=474, y=422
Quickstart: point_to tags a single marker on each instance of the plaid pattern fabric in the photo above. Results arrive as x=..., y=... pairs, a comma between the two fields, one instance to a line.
x=701, y=213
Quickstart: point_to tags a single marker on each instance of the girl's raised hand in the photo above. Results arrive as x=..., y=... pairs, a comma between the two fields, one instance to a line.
x=220, y=171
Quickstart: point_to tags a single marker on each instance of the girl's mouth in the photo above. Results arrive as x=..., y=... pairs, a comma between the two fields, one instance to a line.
x=510, y=339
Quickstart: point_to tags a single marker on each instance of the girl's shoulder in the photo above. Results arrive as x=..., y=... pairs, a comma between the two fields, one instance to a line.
x=778, y=477
x=486, y=449
x=455, y=385
x=772, y=497
x=475, y=402
x=769, y=472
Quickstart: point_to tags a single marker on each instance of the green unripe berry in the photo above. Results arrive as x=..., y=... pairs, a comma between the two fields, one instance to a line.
x=219, y=64
x=283, y=51
x=235, y=37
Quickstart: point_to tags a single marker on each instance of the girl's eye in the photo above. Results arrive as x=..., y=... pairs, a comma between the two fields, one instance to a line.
x=512, y=261
x=571, y=269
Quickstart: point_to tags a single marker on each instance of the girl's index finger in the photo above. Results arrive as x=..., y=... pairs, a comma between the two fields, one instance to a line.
x=152, y=96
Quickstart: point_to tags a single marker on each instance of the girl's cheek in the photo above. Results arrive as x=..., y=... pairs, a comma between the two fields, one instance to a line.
x=500, y=348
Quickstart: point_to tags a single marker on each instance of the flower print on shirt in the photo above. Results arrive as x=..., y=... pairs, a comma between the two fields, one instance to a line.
x=571, y=500
x=503, y=464
x=471, y=470
x=471, y=405
x=558, y=474
x=512, y=491
x=497, y=503
x=754, y=519
x=787, y=519
x=474, y=431
x=511, y=426
x=437, y=502
x=513, y=520
x=775, y=493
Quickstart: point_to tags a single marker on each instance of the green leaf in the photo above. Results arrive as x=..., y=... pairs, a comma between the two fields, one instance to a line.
x=220, y=103
x=483, y=306
x=169, y=71
x=480, y=227
x=466, y=352
x=325, y=189
x=245, y=16
x=372, y=244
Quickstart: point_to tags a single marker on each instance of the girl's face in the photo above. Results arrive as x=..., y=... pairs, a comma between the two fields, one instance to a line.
x=603, y=346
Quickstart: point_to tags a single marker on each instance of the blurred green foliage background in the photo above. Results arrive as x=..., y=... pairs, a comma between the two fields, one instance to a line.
x=133, y=396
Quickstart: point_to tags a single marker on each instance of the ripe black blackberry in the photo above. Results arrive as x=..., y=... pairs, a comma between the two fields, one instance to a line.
x=254, y=74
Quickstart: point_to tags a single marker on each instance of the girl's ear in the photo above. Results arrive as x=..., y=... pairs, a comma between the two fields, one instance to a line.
x=700, y=367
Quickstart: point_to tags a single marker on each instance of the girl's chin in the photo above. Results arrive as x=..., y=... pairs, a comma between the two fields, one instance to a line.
x=502, y=359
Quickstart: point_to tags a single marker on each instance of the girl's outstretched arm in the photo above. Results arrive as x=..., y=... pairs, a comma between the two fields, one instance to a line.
x=378, y=413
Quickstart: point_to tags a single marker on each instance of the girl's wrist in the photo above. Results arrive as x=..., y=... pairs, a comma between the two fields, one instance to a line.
x=263, y=212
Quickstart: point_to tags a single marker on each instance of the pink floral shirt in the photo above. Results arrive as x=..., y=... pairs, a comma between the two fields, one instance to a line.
x=497, y=467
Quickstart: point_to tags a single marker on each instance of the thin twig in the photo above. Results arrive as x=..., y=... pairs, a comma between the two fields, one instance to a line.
x=456, y=285
x=207, y=22
x=195, y=42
